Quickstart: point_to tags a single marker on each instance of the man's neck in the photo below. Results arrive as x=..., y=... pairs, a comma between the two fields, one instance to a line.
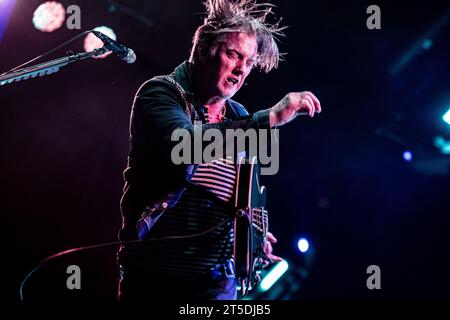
x=212, y=103
x=216, y=111
x=215, y=105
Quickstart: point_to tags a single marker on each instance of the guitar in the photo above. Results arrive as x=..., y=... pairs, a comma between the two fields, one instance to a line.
x=250, y=225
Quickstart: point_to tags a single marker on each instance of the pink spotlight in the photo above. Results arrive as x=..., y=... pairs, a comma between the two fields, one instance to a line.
x=49, y=16
x=91, y=42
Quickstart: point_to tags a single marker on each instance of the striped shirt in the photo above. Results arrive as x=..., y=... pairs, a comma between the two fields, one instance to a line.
x=201, y=227
x=217, y=177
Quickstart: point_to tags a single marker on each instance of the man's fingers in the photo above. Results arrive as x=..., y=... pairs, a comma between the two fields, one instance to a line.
x=315, y=101
x=268, y=248
x=307, y=105
x=271, y=238
x=311, y=104
x=274, y=258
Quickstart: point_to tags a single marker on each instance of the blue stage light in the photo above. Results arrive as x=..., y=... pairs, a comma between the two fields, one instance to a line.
x=303, y=245
x=446, y=116
x=407, y=155
x=277, y=271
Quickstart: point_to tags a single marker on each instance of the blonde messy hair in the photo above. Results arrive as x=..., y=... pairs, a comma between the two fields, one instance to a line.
x=229, y=16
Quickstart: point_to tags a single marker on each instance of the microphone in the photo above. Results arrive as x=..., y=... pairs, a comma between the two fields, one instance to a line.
x=124, y=53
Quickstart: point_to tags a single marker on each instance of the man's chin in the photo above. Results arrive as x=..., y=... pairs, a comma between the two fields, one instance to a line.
x=227, y=94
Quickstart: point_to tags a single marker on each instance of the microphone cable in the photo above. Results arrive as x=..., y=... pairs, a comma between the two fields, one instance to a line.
x=48, y=52
x=108, y=244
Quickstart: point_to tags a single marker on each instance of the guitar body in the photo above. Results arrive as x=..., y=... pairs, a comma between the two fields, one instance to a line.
x=250, y=225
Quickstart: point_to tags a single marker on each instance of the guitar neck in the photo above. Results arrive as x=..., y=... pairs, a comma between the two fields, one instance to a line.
x=260, y=219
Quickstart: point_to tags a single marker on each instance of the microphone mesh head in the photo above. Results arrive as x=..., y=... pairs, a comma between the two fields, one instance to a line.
x=130, y=57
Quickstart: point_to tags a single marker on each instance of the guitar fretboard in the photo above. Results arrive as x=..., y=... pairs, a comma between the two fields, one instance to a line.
x=260, y=220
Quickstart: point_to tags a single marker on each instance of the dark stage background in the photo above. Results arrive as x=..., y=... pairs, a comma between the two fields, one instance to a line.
x=343, y=182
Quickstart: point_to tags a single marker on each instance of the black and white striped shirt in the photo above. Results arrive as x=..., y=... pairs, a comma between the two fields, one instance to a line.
x=192, y=254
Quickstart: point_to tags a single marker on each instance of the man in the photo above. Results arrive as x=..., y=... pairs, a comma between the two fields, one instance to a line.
x=182, y=212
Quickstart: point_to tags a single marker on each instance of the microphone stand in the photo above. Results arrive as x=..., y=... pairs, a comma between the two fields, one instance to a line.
x=48, y=67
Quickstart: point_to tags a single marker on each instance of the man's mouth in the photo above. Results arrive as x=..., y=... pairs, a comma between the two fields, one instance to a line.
x=232, y=81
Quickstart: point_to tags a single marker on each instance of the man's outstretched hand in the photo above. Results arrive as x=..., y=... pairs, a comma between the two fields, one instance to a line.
x=292, y=105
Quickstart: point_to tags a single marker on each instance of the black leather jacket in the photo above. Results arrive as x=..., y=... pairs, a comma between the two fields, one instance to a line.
x=153, y=182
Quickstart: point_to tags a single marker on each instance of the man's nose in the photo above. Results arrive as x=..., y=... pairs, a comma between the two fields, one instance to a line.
x=238, y=70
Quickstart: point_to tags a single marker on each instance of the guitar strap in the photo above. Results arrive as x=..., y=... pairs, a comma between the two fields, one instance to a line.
x=189, y=108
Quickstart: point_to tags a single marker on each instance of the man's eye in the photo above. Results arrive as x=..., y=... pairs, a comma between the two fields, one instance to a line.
x=232, y=54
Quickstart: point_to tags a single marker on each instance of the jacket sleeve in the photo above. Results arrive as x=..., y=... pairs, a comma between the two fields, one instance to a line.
x=158, y=111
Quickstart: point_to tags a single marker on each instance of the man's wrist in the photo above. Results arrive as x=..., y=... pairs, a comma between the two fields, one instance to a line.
x=262, y=119
x=272, y=117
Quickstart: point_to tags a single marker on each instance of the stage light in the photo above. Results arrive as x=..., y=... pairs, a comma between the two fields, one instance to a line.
x=6, y=8
x=427, y=44
x=407, y=156
x=49, y=16
x=273, y=275
x=446, y=116
x=91, y=42
x=303, y=245
x=442, y=144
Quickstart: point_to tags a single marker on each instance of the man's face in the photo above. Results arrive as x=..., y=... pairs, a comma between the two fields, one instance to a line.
x=233, y=62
